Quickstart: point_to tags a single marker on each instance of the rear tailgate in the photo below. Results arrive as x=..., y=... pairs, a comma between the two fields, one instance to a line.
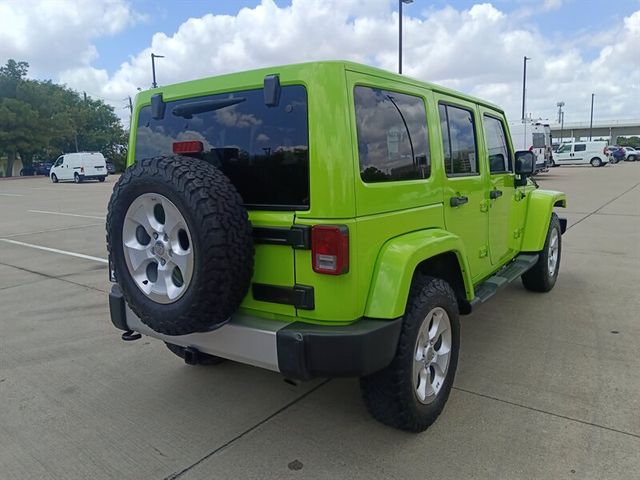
x=274, y=267
x=94, y=164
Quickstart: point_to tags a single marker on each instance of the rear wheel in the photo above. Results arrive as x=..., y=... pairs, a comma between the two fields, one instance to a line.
x=411, y=392
x=101, y=179
x=76, y=178
x=201, y=359
x=596, y=162
x=542, y=277
x=181, y=244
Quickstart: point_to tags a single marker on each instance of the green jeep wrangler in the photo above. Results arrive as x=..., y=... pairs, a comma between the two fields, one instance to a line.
x=325, y=219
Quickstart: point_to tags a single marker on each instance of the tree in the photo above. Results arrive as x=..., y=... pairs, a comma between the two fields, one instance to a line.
x=629, y=142
x=40, y=120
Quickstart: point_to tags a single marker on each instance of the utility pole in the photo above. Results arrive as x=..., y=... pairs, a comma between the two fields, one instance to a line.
x=591, y=122
x=524, y=86
x=400, y=2
x=85, y=97
x=153, y=68
x=130, y=105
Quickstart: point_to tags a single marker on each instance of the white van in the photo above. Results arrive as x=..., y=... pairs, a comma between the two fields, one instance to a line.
x=79, y=167
x=582, y=153
x=535, y=137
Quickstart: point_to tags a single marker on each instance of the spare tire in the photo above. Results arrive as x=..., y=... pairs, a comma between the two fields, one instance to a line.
x=180, y=243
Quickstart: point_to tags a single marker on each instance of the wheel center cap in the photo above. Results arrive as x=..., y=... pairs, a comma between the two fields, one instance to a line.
x=429, y=354
x=158, y=249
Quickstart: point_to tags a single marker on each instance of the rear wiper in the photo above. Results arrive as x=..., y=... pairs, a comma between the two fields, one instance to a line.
x=187, y=110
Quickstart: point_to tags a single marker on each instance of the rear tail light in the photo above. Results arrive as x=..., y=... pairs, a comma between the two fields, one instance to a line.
x=531, y=148
x=330, y=249
x=190, y=147
x=604, y=151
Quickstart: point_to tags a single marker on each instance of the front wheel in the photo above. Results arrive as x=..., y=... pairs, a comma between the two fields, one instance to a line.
x=54, y=179
x=632, y=158
x=101, y=179
x=596, y=162
x=542, y=277
x=410, y=393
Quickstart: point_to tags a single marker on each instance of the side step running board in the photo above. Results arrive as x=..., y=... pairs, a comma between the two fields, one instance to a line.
x=508, y=274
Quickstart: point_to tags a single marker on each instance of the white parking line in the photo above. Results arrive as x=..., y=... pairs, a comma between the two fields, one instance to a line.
x=54, y=250
x=65, y=214
x=11, y=195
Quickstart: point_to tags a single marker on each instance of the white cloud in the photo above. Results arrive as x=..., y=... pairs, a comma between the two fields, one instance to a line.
x=478, y=50
x=55, y=35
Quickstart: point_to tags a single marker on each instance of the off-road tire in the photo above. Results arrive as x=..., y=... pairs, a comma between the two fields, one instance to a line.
x=538, y=278
x=203, y=358
x=54, y=178
x=221, y=238
x=389, y=394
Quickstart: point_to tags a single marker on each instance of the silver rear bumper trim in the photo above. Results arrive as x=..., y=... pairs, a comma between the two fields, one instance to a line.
x=244, y=338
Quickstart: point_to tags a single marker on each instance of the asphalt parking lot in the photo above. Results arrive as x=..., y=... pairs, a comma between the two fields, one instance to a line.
x=548, y=386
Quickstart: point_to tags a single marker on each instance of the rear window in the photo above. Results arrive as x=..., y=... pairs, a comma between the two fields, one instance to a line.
x=263, y=150
x=538, y=140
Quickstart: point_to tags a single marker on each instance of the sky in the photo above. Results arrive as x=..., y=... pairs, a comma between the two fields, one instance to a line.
x=577, y=47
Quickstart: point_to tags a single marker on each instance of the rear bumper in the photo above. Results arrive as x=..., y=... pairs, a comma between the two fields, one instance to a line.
x=298, y=350
x=93, y=177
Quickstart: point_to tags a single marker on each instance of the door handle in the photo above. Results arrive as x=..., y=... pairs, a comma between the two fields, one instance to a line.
x=493, y=194
x=457, y=201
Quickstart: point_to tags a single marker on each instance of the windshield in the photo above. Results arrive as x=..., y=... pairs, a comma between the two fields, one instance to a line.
x=263, y=150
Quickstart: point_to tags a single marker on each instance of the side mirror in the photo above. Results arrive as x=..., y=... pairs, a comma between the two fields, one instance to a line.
x=525, y=163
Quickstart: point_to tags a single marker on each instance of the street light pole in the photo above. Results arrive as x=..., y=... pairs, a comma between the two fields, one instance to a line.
x=560, y=118
x=400, y=2
x=524, y=86
x=591, y=121
x=153, y=68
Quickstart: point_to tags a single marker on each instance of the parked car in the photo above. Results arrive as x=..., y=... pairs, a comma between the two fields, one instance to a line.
x=582, y=153
x=79, y=167
x=616, y=154
x=111, y=168
x=27, y=171
x=43, y=168
x=328, y=239
x=631, y=154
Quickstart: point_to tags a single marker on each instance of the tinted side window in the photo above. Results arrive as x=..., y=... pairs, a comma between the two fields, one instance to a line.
x=579, y=147
x=459, y=140
x=263, y=150
x=497, y=149
x=392, y=135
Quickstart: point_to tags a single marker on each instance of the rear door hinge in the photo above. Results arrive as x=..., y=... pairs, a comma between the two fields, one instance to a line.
x=484, y=205
x=484, y=251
